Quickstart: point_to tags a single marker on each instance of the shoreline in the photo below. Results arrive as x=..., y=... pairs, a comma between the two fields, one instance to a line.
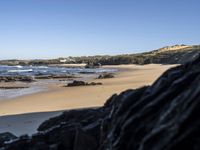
x=58, y=98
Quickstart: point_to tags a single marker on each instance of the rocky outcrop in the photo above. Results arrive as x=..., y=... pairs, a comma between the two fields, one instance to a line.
x=16, y=78
x=164, y=116
x=56, y=76
x=82, y=83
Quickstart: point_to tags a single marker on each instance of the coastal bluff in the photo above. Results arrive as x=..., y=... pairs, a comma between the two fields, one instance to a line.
x=163, y=116
x=176, y=54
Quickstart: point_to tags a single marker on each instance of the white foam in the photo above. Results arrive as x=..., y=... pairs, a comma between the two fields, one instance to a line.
x=18, y=66
x=42, y=67
x=24, y=70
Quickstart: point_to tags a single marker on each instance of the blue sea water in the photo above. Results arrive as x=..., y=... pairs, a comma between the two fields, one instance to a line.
x=46, y=70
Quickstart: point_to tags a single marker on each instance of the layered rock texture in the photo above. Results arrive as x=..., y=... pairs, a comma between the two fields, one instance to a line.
x=164, y=116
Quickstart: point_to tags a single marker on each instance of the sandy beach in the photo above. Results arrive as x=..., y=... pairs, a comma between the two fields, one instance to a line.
x=59, y=98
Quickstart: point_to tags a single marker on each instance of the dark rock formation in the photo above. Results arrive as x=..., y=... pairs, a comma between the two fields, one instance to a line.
x=164, y=116
x=105, y=76
x=6, y=137
x=55, y=76
x=82, y=83
x=16, y=78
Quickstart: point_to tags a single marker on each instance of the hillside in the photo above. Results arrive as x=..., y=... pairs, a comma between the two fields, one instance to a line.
x=177, y=54
x=174, y=54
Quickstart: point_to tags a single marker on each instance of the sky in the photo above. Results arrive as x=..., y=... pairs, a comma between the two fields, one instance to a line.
x=33, y=29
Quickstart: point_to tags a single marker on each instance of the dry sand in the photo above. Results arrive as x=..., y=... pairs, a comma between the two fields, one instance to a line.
x=62, y=98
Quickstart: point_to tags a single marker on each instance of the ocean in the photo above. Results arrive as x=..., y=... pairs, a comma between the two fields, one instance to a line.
x=46, y=70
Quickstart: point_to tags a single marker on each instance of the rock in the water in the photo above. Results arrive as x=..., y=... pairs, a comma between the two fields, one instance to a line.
x=164, y=116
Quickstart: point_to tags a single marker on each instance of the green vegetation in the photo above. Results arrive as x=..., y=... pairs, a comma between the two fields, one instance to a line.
x=177, y=54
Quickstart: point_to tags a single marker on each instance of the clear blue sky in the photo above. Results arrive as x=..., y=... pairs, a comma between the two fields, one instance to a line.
x=54, y=28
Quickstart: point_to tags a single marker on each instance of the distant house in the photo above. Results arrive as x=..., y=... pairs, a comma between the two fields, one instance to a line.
x=67, y=60
x=63, y=60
